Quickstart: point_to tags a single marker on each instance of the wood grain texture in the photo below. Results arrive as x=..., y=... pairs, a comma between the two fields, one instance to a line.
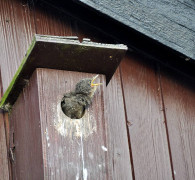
x=179, y=101
x=16, y=32
x=119, y=157
x=4, y=143
x=25, y=134
x=52, y=22
x=4, y=171
x=72, y=149
x=145, y=120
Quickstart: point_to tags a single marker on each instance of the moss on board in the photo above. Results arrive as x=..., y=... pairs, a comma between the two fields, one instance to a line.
x=3, y=103
x=65, y=54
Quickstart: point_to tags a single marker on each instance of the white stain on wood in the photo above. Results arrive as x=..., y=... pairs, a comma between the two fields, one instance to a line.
x=84, y=174
x=72, y=127
x=77, y=176
x=90, y=155
x=47, y=137
x=82, y=155
x=104, y=148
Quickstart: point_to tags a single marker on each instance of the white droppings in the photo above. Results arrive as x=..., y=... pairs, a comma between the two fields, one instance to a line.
x=84, y=174
x=77, y=176
x=79, y=153
x=83, y=161
x=99, y=165
x=90, y=155
x=82, y=155
x=47, y=137
x=174, y=172
x=104, y=148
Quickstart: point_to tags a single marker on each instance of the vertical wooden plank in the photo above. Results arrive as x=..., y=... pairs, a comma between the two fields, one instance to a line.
x=72, y=149
x=179, y=101
x=119, y=158
x=52, y=22
x=25, y=134
x=4, y=163
x=145, y=120
x=16, y=32
x=4, y=171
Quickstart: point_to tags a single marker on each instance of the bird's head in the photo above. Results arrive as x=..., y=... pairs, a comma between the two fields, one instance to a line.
x=87, y=86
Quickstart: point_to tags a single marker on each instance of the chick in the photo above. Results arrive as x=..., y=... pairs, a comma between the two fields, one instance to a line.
x=74, y=103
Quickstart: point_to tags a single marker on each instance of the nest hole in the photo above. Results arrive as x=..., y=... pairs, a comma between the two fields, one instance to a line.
x=72, y=109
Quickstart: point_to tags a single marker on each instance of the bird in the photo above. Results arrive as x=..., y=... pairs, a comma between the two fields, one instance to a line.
x=75, y=103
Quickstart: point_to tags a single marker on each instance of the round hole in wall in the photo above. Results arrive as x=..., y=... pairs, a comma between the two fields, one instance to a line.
x=71, y=107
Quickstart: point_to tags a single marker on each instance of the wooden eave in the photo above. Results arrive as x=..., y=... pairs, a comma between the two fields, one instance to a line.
x=170, y=23
x=138, y=42
x=63, y=53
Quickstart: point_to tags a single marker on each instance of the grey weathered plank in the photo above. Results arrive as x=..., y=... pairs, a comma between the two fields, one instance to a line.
x=170, y=22
x=145, y=120
x=179, y=101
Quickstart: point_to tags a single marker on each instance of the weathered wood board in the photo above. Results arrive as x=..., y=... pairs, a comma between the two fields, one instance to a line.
x=4, y=143
x=4, y=171
x=50, y=141
x=121, y=167
x=145, y=120
x=17, y=28
x=179, y=101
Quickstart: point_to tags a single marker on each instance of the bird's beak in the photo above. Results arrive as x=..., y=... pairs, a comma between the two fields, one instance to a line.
x=93, y=79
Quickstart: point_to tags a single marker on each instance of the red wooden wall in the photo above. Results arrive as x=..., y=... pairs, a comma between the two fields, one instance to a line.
x=150, y=108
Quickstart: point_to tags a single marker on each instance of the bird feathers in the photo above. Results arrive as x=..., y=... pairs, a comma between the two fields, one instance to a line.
x=74, y=103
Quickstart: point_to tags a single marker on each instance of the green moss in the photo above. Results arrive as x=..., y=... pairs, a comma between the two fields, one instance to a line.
x=81, y=49
x=4, y=100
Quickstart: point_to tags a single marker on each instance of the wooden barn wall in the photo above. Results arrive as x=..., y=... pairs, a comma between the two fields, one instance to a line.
x=151, y=107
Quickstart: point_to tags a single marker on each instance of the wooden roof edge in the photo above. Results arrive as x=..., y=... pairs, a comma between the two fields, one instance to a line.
x=137, y=43
x=124, y=18
x=63, y=53
x=74, y=40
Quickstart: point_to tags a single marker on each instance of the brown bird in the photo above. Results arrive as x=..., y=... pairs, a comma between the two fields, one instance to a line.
x=74, y=103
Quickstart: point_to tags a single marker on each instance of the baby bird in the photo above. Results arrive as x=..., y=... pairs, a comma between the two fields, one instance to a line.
x=74, y=103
